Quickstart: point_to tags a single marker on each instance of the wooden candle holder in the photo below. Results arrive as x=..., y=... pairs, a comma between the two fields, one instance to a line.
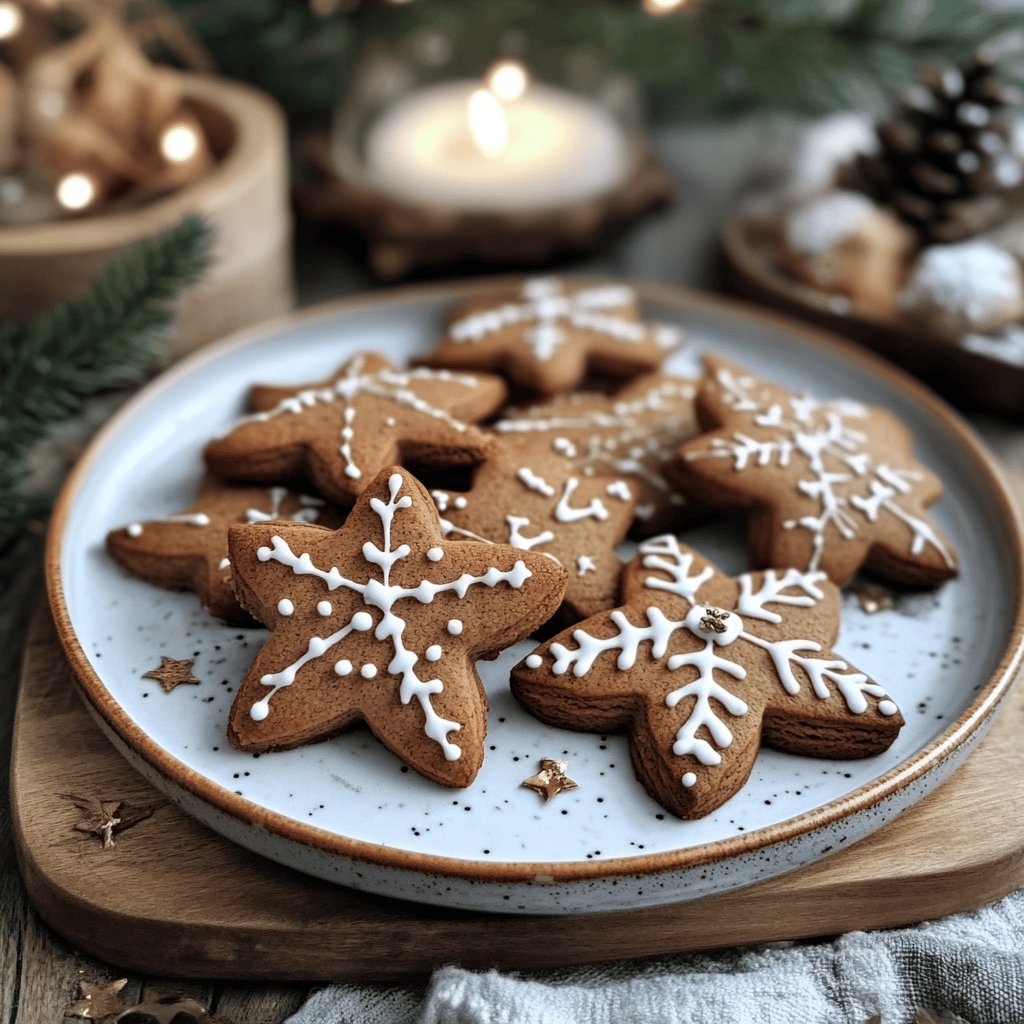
x=403, y=237
x=244, y=198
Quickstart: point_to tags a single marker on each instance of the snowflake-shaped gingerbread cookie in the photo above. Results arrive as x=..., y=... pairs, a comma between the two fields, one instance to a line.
x=832, y=485
x=548, y=332
x=533, y=497
x=189, y=549
x=633, y=434
x=381, y=621
x=703, y=669
x=340, y=433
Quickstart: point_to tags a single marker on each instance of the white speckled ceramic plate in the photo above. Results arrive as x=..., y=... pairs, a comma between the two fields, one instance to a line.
x=348, y=810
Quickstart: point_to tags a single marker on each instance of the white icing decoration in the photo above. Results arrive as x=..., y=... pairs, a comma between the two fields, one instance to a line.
x=368, y=671
x=433, y=652
x=189, y=518
x=224, y=563
x=285, y=607
x=518, y=539
x=546, y=310
x=435, y=554
x=619, y=489
x=307, y=512
x=534, y=661
x=343, y=667
x=706, y=732
x=831, y=451
x=534, y=482
x=397, y=386
x=565, y=513
x=585, y=564
x=383, y=595
x=324, y=608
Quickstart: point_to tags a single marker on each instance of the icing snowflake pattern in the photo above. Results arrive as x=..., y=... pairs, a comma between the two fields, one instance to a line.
x=632, y=435
x=688, y=639
x=854, y=482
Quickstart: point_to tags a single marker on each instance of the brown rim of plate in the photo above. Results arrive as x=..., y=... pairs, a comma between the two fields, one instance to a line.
x=243, y=810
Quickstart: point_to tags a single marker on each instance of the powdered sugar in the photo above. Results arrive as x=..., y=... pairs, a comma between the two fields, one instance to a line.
x=827, y=221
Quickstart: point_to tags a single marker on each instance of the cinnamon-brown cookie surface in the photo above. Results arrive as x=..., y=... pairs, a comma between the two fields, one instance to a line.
x=533, y=497
x=189, y=549
x=831, y=485
x=547, y=333
x=338, y=434
x=633, y=434
x=381, y=621
x=703, y=669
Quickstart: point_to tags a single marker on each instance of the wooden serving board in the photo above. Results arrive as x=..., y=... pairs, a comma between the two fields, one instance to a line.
x=174, y=898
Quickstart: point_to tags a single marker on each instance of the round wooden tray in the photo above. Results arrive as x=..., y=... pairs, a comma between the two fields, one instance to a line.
x=967, y=378
x=244, y=198
x=539, y=859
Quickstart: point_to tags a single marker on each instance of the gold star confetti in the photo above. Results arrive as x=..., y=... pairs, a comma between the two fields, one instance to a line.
x=872, y=600
x=98, y=1000
x=172, y=674
x=551, y=779
x=106, y=818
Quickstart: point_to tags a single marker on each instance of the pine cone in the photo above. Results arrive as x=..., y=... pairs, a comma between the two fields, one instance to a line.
x=945, y=162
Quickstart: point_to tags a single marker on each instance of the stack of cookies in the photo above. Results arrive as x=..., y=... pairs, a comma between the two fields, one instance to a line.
x=393, y=525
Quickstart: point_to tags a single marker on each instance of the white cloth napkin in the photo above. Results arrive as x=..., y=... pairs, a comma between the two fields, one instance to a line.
x=969, y=967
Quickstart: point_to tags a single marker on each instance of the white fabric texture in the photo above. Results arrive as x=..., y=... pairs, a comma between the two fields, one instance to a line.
x=969, y=967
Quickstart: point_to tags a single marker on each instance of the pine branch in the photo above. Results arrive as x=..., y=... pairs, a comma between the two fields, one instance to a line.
x=50, y=366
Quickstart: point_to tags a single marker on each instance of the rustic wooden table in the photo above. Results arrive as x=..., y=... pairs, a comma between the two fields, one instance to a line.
x=39, y=973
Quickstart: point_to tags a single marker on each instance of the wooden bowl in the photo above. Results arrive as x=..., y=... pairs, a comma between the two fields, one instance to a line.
x=244, y=198
x=967, y=378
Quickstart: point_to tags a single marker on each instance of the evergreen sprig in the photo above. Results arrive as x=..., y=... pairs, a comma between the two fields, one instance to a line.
x=50, y=366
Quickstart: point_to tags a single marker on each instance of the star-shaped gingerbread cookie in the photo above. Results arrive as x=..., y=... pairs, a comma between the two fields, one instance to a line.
x=633, y=434
x=547, y=333
x=831, y=485
x=338, y=434
x=381, y=621
x=703, y=669
x=189, y=549
x=533, y=497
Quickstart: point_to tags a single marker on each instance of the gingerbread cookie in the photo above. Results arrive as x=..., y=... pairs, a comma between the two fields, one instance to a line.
x=703, y=669
x=340, y=433
x=390, y=638
x=547, y=333
x=533, y=497
x=189, y=550
x=831, y=485
x=633, y=434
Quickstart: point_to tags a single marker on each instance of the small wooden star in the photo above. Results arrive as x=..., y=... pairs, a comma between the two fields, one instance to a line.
x=173, y=673
x=551, y=779
x=98, y=1000
x=106, y=818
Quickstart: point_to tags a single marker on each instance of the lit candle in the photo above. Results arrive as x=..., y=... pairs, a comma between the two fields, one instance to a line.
x=500, y=146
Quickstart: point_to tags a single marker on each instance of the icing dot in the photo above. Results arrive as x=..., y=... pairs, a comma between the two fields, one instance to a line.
x=433, y=652
x=455, y=627
x=224, y=563
x=435, y=554
x=259, y=710
x=134, y=530
x=362, y=621
x=343, y=667
x=534, y=661
x=460, y=503
x=352, y=472
x=324, y=608
x=263, y=554
x=368, y=671
x=689, y=779
x=285, y=607
x=887, y=708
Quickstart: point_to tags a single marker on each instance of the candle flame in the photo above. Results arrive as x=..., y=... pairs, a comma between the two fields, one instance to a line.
x=76, y=191
x=508, y=80
x=662, y=6
x=487, y=123
x=11, y=19
x=179, y=143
